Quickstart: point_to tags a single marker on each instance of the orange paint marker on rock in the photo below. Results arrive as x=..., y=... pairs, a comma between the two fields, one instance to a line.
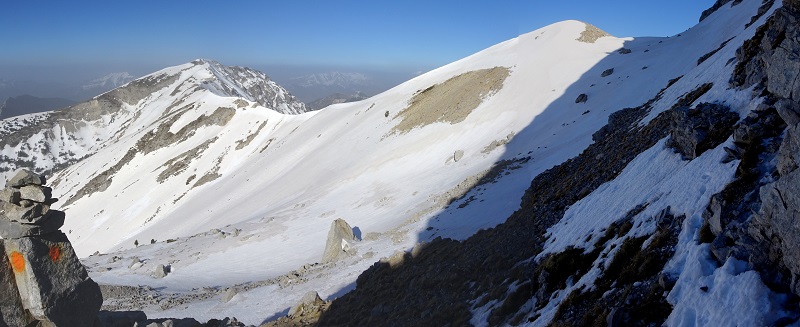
x=55, y=252
x=17, y=262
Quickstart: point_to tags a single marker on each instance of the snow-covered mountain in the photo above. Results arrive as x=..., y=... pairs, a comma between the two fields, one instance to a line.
x=563, y=177
x=52, y=140
x=108, y=82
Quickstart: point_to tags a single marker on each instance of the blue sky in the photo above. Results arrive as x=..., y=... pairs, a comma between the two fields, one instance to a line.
x=401, y=35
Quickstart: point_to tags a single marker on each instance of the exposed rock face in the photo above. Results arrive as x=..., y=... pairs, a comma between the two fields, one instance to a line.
x=767, y=178
x=591, y=34
x=11, y=311
x=252, y=85
x=339, y=241
x=139, y=319
x=695, y=130
x=305, y=313
x=42, y=270
x=53, y=284
x=581, y=98
x=716, y=6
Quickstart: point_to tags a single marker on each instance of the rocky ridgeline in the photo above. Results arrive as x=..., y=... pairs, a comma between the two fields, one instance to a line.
x=42, y=282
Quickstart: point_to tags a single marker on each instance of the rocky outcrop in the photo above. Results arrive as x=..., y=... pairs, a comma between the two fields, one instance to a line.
x=775, y=225
x=50, y=282
x=339, y=244
x=695, y=130
x=305, y=313
x=591, y=34
x=755, y=217
x=716, y=6
x=310, y=302
x=139, y=319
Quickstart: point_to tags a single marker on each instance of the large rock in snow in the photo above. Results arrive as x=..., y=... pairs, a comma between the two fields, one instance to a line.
x=695, y=130
x=339, y=241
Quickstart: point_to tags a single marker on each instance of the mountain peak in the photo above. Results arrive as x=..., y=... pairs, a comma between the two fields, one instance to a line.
x=250, y=84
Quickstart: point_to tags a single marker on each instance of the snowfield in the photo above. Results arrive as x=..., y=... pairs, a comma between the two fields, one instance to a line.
x=236, y=197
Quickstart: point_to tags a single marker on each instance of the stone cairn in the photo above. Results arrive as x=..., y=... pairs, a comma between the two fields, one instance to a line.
x=42, y=282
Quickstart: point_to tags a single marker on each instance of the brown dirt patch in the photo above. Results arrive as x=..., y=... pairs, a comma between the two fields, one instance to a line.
x=591, y=34
x=451, y=101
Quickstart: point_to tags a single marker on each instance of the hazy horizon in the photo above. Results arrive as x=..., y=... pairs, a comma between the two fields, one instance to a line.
x=64, y=45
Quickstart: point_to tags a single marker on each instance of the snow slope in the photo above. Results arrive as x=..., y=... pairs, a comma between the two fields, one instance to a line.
x=298, y=173
x=237, y=197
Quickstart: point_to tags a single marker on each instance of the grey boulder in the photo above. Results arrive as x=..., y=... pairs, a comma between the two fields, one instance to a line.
x=53, y=284
x=35, y=193
x=32, y=214
x=50, y=223
x=338, y=245
x=310, y=301
x=25, y=177
x=10, y=195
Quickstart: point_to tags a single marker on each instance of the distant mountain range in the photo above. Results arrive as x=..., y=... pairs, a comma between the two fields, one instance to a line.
x=28, y=104
x=336, y=98
x=109, y=81
x=73, y=92
x=315, y=87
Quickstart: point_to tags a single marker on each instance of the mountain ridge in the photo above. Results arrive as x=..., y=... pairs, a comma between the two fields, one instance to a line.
x=117, y=108
x=561, y=177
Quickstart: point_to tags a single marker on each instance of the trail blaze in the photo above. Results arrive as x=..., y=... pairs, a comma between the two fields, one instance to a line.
x=55, y=252
x=17, y=261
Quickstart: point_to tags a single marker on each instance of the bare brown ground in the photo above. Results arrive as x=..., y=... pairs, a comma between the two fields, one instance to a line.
x=451, y=101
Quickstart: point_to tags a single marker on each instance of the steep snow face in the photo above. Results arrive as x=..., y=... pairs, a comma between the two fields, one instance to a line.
x=51, y=140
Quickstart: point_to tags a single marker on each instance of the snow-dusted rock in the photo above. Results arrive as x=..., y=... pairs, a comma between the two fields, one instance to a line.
x=695, y=130
x=310, y=301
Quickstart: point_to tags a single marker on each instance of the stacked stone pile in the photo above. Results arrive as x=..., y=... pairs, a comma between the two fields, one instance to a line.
x=41, y=278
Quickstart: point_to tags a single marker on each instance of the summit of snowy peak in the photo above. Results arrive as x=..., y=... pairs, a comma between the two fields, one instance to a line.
x=250, y=84
x=582, y=31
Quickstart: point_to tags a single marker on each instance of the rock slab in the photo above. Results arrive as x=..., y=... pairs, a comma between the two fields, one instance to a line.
x=53, y=284
x=11, y=311
x=339, y=244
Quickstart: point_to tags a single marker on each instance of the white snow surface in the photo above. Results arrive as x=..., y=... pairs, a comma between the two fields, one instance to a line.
x=281, y=179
